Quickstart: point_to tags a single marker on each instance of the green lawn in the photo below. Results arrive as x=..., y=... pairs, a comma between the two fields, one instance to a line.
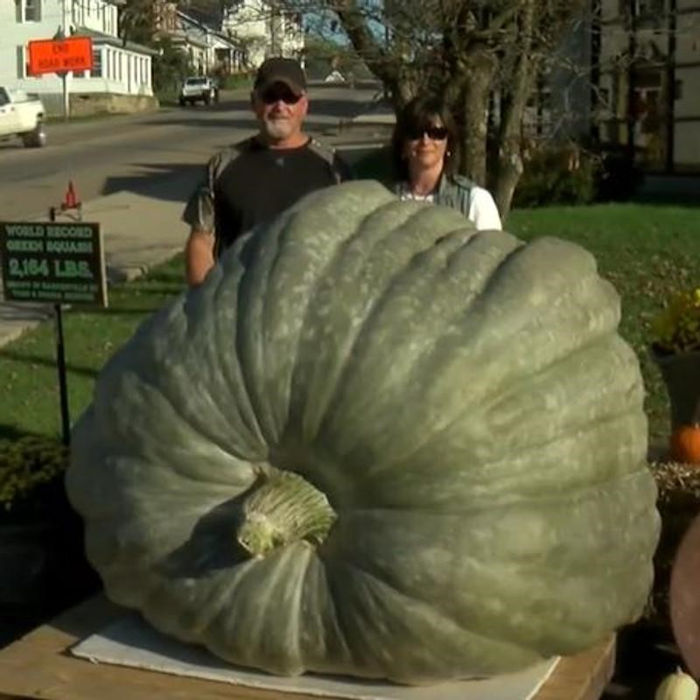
x=28, y=375
x=645, y=251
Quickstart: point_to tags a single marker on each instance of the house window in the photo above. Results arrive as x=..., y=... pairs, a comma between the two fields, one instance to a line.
x=21, y=63
x=32, y=10
x=678, y=90
x=96, y=71
x=28, y=10
x=646, y=8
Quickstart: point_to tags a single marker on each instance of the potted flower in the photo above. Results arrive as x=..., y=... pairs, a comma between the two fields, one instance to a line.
x=676, y=350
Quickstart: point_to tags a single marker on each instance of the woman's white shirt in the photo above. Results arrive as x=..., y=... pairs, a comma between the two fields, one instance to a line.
x=482, y=208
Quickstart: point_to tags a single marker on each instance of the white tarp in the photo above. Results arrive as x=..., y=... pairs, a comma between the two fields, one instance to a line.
x=130, y=641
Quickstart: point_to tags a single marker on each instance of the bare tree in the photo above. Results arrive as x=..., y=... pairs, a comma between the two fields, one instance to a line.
x=137, y=19
x=483, y=56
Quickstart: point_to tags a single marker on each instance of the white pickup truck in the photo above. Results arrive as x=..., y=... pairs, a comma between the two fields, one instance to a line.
x=22, y=114
x=198, y=88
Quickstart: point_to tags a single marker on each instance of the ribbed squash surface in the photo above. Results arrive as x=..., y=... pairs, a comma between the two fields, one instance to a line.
x=461, y=402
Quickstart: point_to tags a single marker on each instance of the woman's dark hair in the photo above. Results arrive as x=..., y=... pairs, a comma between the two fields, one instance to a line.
x=418, y=114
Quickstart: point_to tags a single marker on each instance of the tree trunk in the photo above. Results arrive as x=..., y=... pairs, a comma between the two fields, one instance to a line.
x=472, y=111
x=510, y=162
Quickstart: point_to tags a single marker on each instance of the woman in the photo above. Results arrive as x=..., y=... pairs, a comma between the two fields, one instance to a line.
x=423, y=147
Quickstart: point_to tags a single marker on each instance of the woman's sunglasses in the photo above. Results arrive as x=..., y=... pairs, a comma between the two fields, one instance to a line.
x=275, y=94
x=436, y=133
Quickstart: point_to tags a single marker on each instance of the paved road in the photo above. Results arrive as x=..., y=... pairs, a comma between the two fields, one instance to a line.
x=133, y=175
x=136, y=153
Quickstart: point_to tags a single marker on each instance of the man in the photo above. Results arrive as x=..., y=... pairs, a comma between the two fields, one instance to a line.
x=256, y=179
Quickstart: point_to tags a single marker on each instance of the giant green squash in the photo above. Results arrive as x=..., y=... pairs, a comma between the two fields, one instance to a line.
x=375, y=442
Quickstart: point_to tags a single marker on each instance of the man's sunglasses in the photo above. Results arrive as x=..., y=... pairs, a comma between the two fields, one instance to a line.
x=436, y=133
x=275, y=94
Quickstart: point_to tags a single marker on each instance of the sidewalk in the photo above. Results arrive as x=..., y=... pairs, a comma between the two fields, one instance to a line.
x=139, y=231
x=142, y=230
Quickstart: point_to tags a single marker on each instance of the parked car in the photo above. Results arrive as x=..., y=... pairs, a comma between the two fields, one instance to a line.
x=22, y=114
x=199, y=89
x=335, y=76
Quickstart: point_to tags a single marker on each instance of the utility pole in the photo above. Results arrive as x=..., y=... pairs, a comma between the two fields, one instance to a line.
x=63, y=33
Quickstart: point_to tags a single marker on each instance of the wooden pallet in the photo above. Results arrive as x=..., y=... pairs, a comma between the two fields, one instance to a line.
x=40, y=666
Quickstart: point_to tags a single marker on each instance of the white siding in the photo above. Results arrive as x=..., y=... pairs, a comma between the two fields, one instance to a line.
x=687, y=144
x=265, y=34
x=95, y=14
x=98, y=15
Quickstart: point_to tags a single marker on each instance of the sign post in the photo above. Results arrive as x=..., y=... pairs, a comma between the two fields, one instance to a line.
x=59, y=263
x=61, y=55
x=58, y=55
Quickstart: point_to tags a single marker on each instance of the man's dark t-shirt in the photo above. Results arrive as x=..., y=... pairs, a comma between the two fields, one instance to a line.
x=250, y=184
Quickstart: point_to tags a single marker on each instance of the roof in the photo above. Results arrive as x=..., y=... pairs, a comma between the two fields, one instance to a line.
x=197, y=32
x=101, y=38
x=232, y=41
x=180, y=37
x=210, y=19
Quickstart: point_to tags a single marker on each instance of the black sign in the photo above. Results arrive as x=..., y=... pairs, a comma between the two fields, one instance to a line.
x=53, y=262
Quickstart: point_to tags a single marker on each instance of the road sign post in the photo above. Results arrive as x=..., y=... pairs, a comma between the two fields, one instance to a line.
x=58, y=55
x=59, y=263
x=61, y=56
x=62, y=375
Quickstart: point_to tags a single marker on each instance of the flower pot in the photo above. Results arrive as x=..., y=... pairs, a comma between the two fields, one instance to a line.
x=681, y=374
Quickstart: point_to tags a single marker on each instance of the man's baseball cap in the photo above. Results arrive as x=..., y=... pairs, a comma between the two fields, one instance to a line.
x=281, y=70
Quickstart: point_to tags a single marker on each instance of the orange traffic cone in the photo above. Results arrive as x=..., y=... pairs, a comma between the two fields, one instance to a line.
x=71, y=200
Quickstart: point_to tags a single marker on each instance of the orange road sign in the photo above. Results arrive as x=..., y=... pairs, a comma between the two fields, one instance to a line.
x=60, y=55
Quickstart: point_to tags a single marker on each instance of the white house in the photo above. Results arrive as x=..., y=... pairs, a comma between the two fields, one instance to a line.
x=265, y=30
x=121, y=76
x=228, y=54
x=650, y=81
x=208, y=50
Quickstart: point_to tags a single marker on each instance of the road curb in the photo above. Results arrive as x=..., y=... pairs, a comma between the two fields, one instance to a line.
x=129, y=273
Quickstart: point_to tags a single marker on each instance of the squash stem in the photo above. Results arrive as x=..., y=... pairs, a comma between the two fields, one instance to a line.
x=283, y=508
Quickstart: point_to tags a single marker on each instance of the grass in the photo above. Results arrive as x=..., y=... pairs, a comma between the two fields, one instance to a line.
x=646, y=251
x=28, y=375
